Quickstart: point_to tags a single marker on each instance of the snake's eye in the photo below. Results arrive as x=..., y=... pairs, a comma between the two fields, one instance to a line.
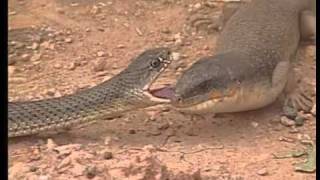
x=155, y=63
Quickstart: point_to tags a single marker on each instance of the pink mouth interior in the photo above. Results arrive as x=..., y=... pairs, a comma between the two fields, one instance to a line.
x=164, y=92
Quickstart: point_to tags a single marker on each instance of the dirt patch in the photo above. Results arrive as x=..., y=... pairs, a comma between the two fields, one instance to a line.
x=57, y=47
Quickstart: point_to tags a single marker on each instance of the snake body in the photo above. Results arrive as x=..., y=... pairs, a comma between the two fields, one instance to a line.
x=126, y=91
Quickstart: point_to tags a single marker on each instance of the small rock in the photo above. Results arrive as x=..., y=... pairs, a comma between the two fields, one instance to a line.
x=51, y=144
x=107, y=155
x=154, y=132
x=64, y=163
x=190, y=132
x=11, y=70
x=139, y=32
x=107, y=140
x=12, y=60
x=132, y=131
x=262, y=172
x=57, y=66
x=176, y=56
x=18, y=170
x=254, y=124
x=33, y=168
x=90, y=171
x=314, y=110
x=285, y=139
x=60, y=10
x=178, y=38
x=11, y=13
x=67, y=149
x=68, y=40
x=164, y=126
x=197, y=6
x=299, y=120
x=100, y=53
x=25, y=57
x=166, y=31
x=18, y=80
x=72, y=66
x=34, y=46
x=121, y=46
x=50, y=92
x=286, y=121
x=293, y=130
x=77, y=169
x=100, y=65
x=73, y=4
x=95, y=10
x=291, y=113
x=45, y=44
x=35, y=57
x=44, y=177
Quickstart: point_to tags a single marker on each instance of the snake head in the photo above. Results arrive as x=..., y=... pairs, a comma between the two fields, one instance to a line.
x=146, y=68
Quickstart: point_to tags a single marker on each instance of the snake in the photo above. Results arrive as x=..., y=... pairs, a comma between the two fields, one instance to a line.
x=128, y=90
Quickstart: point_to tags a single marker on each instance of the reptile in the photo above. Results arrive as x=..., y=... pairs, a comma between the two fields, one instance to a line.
x=253, y=61
x=128, y=90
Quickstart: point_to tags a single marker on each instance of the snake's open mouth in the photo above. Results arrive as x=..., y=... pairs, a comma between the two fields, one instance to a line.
x=162, y=94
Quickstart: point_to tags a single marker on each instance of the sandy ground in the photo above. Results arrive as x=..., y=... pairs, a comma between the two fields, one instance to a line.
x=57, y=47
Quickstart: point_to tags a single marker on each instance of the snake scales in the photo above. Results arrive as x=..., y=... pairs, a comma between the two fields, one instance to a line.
x=126, y=91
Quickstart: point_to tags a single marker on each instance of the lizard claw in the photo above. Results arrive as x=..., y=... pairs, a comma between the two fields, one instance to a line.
x=300, y=99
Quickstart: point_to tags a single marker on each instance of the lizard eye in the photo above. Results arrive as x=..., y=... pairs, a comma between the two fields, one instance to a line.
x=155, y=63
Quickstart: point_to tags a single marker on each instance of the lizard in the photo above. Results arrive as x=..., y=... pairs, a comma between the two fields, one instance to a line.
x=253, y=61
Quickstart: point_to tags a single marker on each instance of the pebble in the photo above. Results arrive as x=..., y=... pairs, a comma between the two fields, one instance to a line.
x=139, y=32
x=45, y=44
x=90, y=171
x=166, y=31
x=100, y=53
x=50, y=92
x=197, y=6
x=254, y=124
x=99, y=65
x=107, y=155
x=72, y=66
x=164, y=126
x=64, y=163
x=299, y=120
x=262, y=172
x=60, y=10
x=95, y=10
x=176, y=56
x=285, y=139
x=121, y=46
x=132, y=131
x=286, y=121
x=51, y=144
x=57, y=66
x=12, y=13
x=35, y=57
x=11, y=70
x=43, y=177
x=314, y=110
x=34, y=46
x=107, y=140
x=68, y=40
x=291, y=113
x=25, y=57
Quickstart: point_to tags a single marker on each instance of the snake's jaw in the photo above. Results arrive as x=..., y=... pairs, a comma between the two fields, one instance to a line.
x=164, y=94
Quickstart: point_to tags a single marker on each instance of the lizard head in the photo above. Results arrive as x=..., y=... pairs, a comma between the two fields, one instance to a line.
x=206, y=82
